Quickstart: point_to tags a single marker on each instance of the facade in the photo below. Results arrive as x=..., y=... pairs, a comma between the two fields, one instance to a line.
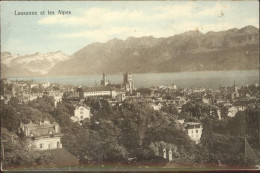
x=234, y=109
x=100, y=92
x=96, y=92
x=80, y=113
x=194, y=130
x=43, y=136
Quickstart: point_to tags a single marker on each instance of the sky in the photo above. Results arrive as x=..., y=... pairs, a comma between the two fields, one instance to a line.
x=95, y=21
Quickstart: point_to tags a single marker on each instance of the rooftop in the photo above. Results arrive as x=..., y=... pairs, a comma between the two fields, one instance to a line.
x=62, y=157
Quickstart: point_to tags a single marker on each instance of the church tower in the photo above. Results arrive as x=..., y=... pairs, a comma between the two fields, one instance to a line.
x=104, y=81
x=235, y=87
x=128, y=82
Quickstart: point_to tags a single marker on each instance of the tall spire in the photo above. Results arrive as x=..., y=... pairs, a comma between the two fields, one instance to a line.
x=104, y=81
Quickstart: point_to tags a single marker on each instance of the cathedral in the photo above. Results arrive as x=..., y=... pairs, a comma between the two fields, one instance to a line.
x=128, y=82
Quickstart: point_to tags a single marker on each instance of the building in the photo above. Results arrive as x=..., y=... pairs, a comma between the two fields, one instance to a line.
x=81, y=112
x=46, y=84
x=43, y=136
x=156, y=107
x=128, y=84
x=232, y=111
x=215, y=111
x=99, y=91
x=104, y=81
x=194, y=131
x=46, y=136
x=180, y=120
x=234, y=94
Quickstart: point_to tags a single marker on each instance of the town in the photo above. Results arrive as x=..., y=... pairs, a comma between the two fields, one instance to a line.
x=114, y=125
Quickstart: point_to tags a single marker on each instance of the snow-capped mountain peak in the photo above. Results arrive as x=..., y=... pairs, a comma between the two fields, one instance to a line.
x=37, y=62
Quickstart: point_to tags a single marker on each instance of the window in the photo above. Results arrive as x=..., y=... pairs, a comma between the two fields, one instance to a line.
x=81, y=117
x=197, y=131
x=40, y=145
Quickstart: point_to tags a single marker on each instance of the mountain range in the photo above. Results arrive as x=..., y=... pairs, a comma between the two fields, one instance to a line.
x=233, y=49
x=30, y=65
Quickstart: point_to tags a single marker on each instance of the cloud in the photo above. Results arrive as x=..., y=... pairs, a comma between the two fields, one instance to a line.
x=104, y=34
x=94, y=17
x=171, y=11
x=163, y=21
x=190, y=10
x=251, y=21
x=215, y=11
x=97, y=16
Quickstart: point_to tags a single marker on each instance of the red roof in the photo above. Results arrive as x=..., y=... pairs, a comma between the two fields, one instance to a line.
x=62, y=157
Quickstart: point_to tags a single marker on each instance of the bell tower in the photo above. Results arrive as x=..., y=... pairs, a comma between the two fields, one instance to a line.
x=104, y=81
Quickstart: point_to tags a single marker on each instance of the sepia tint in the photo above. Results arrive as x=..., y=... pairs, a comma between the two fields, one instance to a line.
x=130, y=85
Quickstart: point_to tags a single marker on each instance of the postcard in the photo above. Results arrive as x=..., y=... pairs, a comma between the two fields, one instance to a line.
x=130, y=85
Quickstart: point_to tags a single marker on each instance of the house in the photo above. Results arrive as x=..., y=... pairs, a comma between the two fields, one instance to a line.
x=46, y=136
x=42, y=136
x=194, y=131
x=180, y=120
x=156, y=107
x=57, y=99
x=81, y=112
x=232, y=111
x=46, y=84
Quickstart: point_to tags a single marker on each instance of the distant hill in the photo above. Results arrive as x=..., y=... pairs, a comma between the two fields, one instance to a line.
x=29, y=65
x=233, y=49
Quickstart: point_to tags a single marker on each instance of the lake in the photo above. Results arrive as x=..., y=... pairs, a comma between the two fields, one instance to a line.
x=208, y=79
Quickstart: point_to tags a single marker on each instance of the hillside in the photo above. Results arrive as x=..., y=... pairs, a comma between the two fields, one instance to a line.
x=234, y=49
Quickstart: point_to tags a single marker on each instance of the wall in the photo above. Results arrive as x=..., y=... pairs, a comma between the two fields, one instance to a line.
x=82, y=111
x=46, y=142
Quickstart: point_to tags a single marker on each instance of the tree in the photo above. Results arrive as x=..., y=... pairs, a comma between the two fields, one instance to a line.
x=144, y=91
x=43, y=104
x=171, y=109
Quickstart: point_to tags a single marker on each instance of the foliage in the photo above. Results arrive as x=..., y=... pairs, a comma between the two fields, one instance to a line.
x=225, y=140
x=144, y=91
